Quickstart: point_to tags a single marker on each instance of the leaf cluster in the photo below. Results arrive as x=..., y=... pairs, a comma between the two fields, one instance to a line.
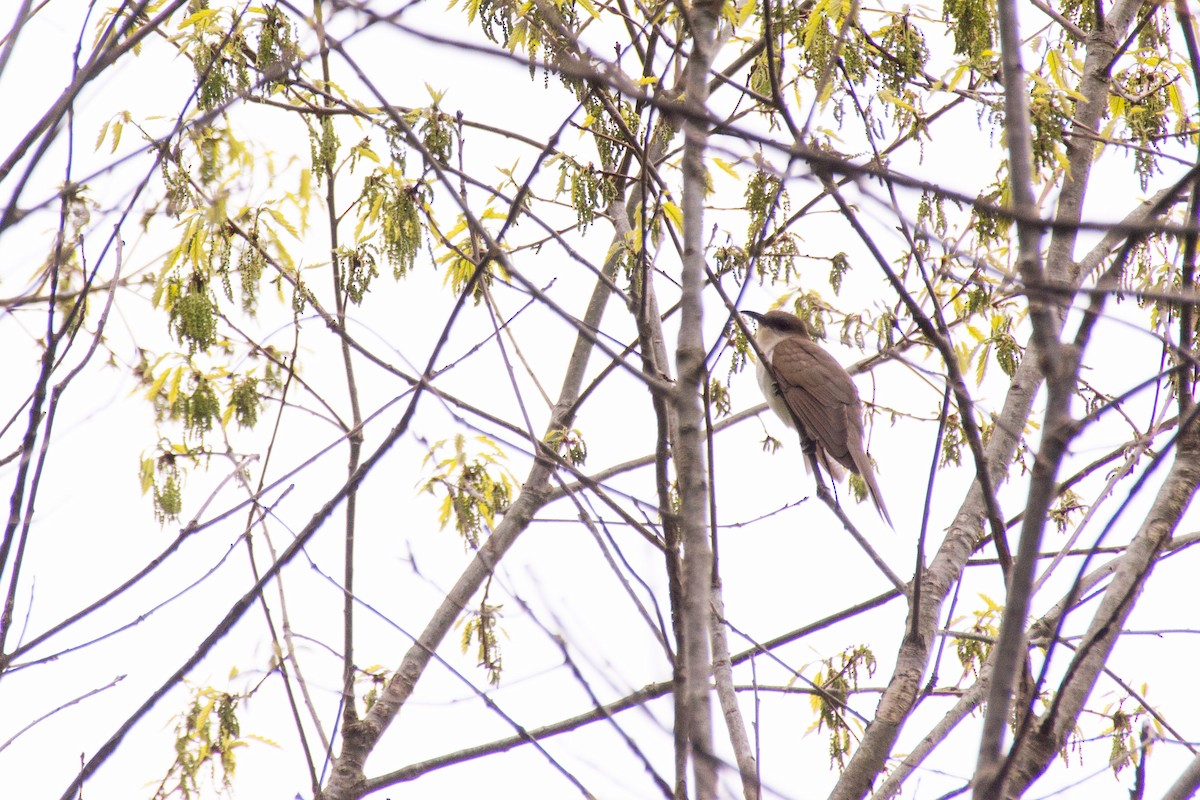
x=207, y=738
x=476, y=484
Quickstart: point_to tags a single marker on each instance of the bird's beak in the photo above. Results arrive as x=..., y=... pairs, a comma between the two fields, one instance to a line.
x=754, y=315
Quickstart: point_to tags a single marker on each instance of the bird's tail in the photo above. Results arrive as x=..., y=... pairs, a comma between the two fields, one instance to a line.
x=864, y=468
x=868, y=476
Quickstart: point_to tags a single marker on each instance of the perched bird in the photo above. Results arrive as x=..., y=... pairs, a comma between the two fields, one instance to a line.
x=808, y=388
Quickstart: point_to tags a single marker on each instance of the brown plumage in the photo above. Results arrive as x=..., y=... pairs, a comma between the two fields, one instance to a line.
x=807, y=387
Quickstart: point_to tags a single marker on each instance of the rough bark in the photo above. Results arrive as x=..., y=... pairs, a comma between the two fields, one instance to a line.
x=347, y=775
x=690, y=451
x=1048, y=733
x=903, y=688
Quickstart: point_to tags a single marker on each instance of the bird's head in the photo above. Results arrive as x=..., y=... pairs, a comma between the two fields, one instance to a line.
x=780, y=323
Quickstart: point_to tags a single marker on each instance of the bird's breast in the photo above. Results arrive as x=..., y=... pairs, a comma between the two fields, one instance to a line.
x=771, y=391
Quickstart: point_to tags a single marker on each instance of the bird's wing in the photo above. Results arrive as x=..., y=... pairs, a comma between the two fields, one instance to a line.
x=821, y=395
x=824, y=399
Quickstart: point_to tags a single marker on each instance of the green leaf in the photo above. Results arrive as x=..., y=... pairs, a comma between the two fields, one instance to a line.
x=673, y=213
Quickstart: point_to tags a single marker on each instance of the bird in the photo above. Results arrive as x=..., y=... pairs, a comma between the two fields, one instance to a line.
x=809, y=390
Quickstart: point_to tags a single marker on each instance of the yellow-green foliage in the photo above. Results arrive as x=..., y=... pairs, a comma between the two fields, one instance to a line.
x=482, y=627
x=207, y=738
x=973, y=650
x=476, y=484
x=833, y=686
